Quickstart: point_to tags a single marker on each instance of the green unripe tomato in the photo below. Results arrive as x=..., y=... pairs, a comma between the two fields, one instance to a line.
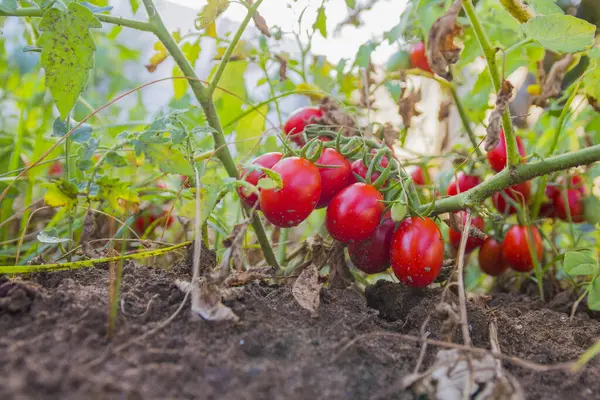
x=398, y=61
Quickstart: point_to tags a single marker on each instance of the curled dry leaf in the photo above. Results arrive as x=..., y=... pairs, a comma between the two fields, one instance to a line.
x=442, y=50
x=455, y=223
x=390, y=135
x=307, y=289
x=406, y=106
x=448, y=378
x=282, y=60
x=444, y=111
x=207, y=301
x=493, y=129
x=551, y=83
x=335, y=117
x=340, y=276
x=260, y=22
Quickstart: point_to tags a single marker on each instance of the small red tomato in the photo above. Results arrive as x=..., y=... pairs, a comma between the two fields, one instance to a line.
x=372, y=256
x=417, y=251
x=490, y=257
x=515, y=248
x=55, y=170
x=575, y=205
x=298, y=120
x=333, y=179
x=354, y=213
x=148, y=217
x=472, y=242
x=417, y=176
x=576, y=182
x=497, y=156
x=359, y=168
x=418, y=57
x=462, y=184
x=267, y=160
x=292, y=204
x=519, y=193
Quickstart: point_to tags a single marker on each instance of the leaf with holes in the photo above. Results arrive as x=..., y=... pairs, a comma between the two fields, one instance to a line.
x=67, y=52
x=561, y=33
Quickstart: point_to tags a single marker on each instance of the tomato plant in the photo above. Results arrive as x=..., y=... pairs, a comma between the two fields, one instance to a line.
x=518, y=193
x=418, y=58
x=417, y=176
x=294, y=126
x=497, y=156
x=335, y=177
x=462, y=183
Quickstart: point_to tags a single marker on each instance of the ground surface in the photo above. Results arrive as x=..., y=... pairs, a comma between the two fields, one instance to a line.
x=53, y=345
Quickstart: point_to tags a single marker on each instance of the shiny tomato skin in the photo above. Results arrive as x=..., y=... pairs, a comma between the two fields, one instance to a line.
x=497, y=156
x=519, y=193
x=359, y=168
x=417, y=251
x=575, y=205
x=354, y=213
x=490, y=257
x=372, y=255
x=292, y=204
x=515, y=248
x=418, y=57
x=333, y=179
x=298, y=120
x=463, y=183
x=418, y=176
x=267, y=160
x=472, y=242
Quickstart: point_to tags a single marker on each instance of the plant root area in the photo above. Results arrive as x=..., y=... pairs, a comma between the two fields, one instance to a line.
x=54, y=345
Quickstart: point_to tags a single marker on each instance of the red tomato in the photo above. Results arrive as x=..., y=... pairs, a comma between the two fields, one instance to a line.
x=359, y=168
x=462, y=184
x=55, y=170
x=354, y=213
x=490, y=257
x=147, y=218
x=515, y=248
x=298, y=120
x=333, y=179
x=418, y=58
x=575, y=205
x=267, y=160
x=497, y=156
x=372, y=256
x=417, y=176
x=472, y=242
x=576, y=182
x=293, y=203
x=519, y=193
x=417, y=251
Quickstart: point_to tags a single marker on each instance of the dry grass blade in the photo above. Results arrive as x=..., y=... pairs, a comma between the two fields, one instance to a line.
x=493, y=129
x=442, y=50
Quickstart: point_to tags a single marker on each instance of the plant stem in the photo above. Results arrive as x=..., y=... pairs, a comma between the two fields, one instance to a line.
x=465, y=121
x=205, y=99
x=518, y=174
x=518, y=10
x=513, y=156
x=68, y=179
x=518, y=45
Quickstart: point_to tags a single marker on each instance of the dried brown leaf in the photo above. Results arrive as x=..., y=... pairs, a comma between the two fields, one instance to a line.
x=282, y=66
x=307, y=289
x=442, y=50
x=340, y=276
x=407, y=106
x=390, y=135
x=551, y=86
x=335, y=117
x=493, y=129
x=260, y=22
x=448, y=314
x=444, y=111
x=241, y=278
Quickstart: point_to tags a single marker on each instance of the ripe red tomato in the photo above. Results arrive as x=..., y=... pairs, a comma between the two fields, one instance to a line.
x=519, y=193
x=462, y=184
x=293, y=203
x=354, y=213
x=418, y=57
x=515, y=248
x=359, y=168
x=417, y=251
x=298, y=120
x=417, y=176
x=147, y=218
x=472, y=242
x=497, y=156
x=575, y=205
x=372, y=255
x=576, y=182
x=333, y=179
x=490, y=257
x=267, y=160
x=55, y=170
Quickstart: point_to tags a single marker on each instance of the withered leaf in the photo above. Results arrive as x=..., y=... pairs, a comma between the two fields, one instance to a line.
x=307, y=289
x=444, y=111
x=207, y=300
x=552, y=82
x=455, y=223
x=241, y=278
x=442, y=50
x=335, y=117
x=282, y=66
x=260, y=22
x=406, y=106
x=340, y=276
x=390, y=135
x=493, y=129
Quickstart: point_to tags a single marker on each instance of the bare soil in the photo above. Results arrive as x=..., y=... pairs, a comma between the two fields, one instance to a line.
x=53, y=341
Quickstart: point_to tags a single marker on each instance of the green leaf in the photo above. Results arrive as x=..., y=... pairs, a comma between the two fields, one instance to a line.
x=179, y=85
x=579, y=263
x=268, y=183
x=364, y=53
x=321, y=22
x=61, y=194
x=67, y=53
x=119, y=195
x=80, y=135
x=249, y=130
x=135, y=4
x=168, y=159
x=191, y=51
x=592, y=76
x=561, y=33
x=394, y=34
x=211, y=11
x=116, y=160
x=398, y=211
x=8, y=5
x=429, y=11
x=51, y=236
x=85, y=154
x=351, y=3
x=545, y=7
x=591, y=206
x=594, y=295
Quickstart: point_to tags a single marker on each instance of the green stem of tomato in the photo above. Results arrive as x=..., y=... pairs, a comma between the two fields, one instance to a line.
x=67, y=177
x=513, y=156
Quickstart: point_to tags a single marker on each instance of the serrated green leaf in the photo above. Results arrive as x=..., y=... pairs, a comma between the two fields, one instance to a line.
x=364, y=53
x=51, y=237
x=168, y=159
x=351, y=3
x=61, y=194
x=594, y=295
x=211, y=11
x=561, y=33
x=249, y=129
x=398, y=211
x=67, y=52
x=394, y=34
x=191, y=51
x=8, y=5
x=119, y=195
x=135, y=5
x=545, y=7
x=579, y=263
x=179, y=85
x=321, y=22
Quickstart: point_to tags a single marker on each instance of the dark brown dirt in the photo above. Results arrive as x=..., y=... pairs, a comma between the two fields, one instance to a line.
x=54, y=346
